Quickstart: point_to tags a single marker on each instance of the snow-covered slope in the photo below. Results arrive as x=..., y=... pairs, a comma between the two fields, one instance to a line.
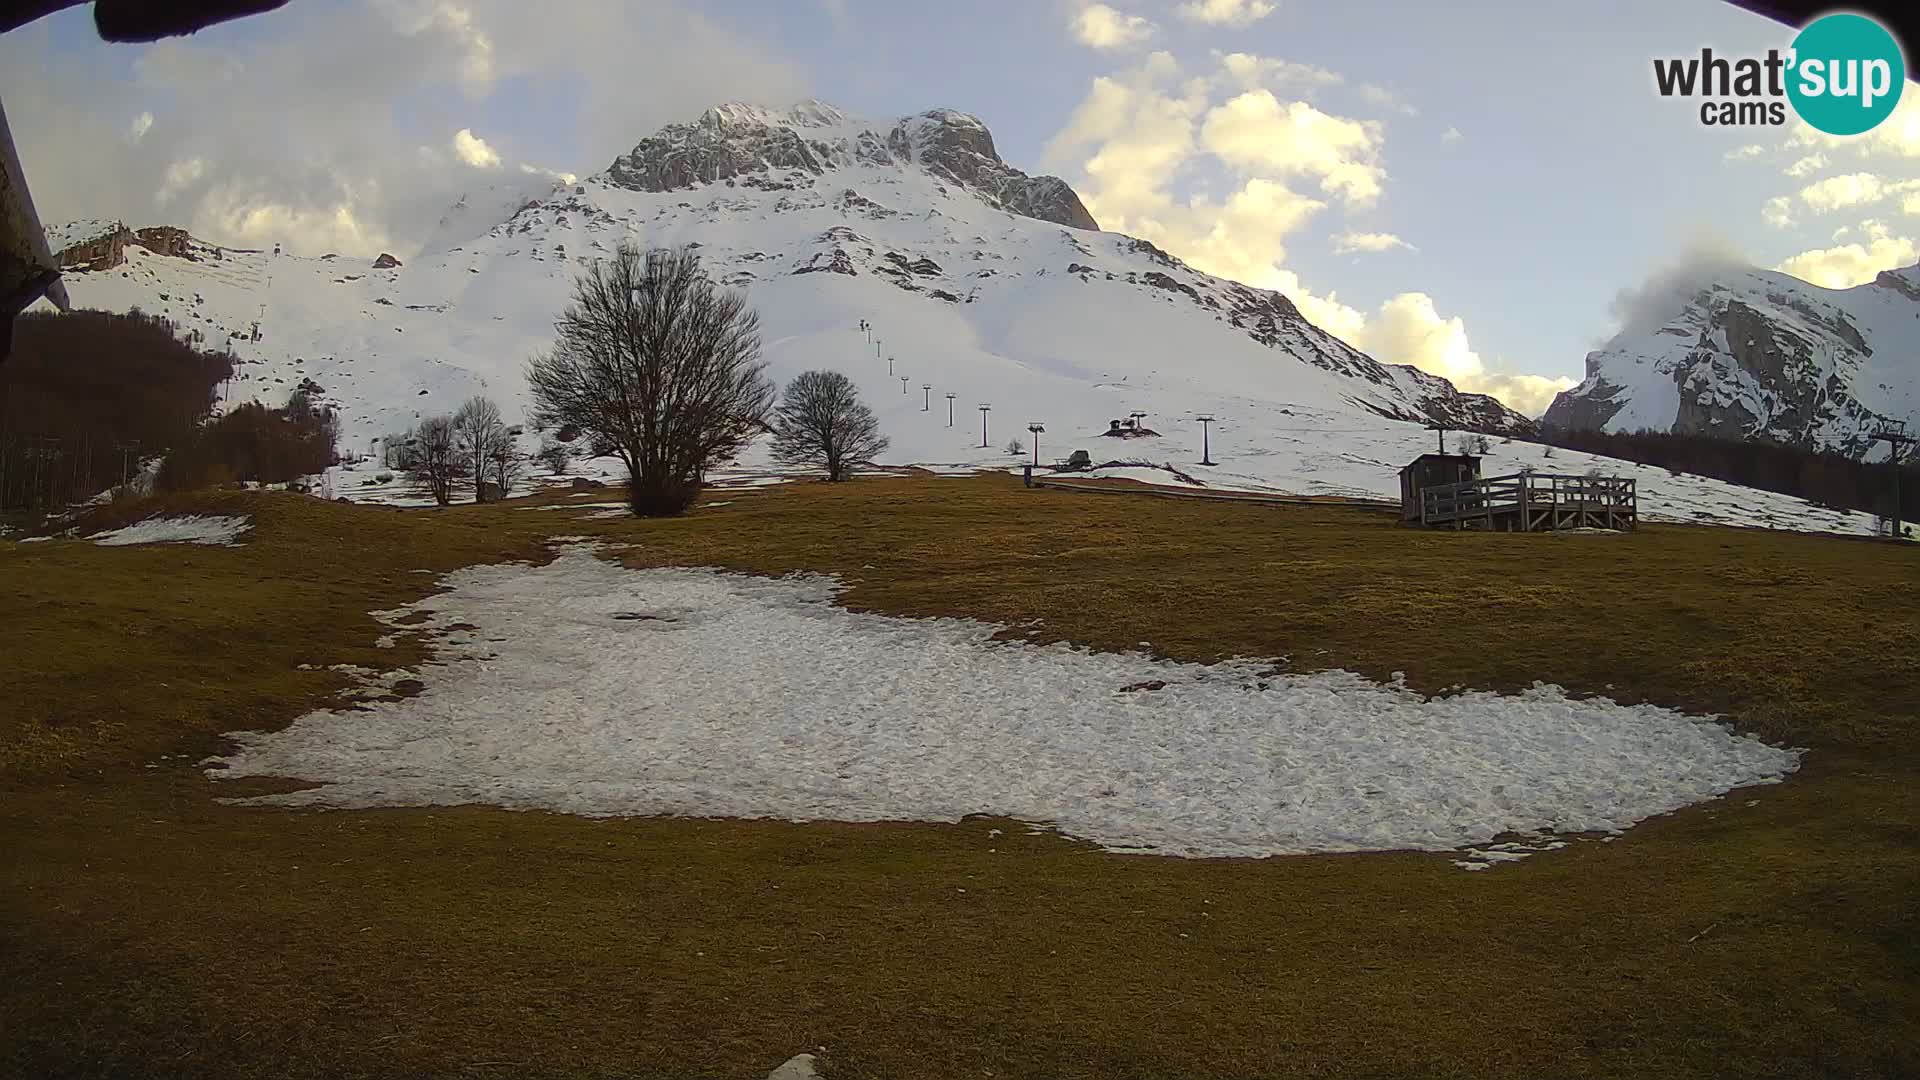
x=914, y=226
x=1760, y=354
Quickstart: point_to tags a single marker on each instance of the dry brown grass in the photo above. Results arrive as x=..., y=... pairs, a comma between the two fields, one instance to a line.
x=147, y=930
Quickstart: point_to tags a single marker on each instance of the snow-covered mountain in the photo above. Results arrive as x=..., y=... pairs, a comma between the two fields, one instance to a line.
x=982, y=285
x=1759, y=354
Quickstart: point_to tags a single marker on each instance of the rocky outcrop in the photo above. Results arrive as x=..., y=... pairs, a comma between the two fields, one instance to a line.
x=1905, y=282
x=786, y=150
x=103, y=251
x=107, y=247
x=165, y=240
x=385, y=262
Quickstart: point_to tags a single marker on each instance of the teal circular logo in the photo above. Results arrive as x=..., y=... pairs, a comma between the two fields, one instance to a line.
x=1845, y=74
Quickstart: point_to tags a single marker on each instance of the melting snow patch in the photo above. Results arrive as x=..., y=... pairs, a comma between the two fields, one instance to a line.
x=218, y=531
x=757, y=697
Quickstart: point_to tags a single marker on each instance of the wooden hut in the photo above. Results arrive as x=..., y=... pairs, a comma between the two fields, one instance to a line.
x=1433, y=470
x=1447, y=491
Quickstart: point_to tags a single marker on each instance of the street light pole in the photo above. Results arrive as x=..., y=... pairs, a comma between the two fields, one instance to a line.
x=926, y=396
x=903, y=386
x=1036, y=427
x=984, y=409
x=889, y=365
x=1206, y=446
x=950, y=398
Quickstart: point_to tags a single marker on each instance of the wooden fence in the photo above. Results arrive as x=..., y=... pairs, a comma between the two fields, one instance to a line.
x=1532, y=502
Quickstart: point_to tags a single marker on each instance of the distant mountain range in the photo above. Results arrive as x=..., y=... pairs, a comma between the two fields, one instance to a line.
x=983, y=286
x=1761, y=355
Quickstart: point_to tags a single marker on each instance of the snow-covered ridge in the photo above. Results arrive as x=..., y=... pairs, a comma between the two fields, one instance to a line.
x=1762, y=355
x=66, y=234
x=786, y=148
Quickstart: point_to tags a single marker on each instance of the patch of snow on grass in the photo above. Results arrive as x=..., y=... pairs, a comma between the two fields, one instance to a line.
x=189, y=529
x=588, y=688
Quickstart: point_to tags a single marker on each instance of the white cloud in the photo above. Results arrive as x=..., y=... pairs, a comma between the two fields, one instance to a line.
x=1101, y=27
x=1706, y=257
x=1409, y=329
x=1744, y=153
x=180, y=175
x=1135, y=134
x=1840, y=192
x=1846, y=265
x=296, y=123
x=1249, y=71
x=1255, y=132
x=1350, y=242
x=535, y=170
x=1451, y=135
x=1382, y=98
x=1778, y=212
x=1226, y=12
x=474, y=150
x=138, y=129
x=1812, y=163
x=1910, y=205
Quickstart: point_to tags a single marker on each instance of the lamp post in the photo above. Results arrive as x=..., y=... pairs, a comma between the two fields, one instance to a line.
x=1137, y=416
x=1036, y=427
x=926, y=396
x=903, y=386
x=984, y=409
x=950, y=398
x=1206, y=451
x=889, y=365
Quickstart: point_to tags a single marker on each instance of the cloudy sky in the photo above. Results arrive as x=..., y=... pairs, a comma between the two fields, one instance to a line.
x=1487, y=190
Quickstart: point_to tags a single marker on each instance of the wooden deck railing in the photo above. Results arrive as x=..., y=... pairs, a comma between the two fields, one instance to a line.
x=1531, y=501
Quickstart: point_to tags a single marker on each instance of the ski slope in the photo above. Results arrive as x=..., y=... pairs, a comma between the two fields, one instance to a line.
x=1062, y=327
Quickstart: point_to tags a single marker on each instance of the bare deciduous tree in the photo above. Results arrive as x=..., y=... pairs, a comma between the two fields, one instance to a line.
x=655, y=364
x=505, y=467
x=485, y=446
x=435, y=461
x=554, y=455
x=821, y=421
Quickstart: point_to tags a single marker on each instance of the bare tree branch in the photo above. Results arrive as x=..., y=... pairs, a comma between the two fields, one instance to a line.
x=655, y=364
x=821, y=421
x=434, y=459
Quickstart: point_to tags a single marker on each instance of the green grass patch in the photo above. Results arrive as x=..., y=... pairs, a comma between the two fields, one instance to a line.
x=150, y=930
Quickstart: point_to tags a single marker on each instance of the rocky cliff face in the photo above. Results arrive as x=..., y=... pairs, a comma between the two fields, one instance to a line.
x=103, y=246
x=744, y=145
x=1761, y=355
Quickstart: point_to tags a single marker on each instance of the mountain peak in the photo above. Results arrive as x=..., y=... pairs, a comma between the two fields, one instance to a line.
x=796, y=146
x=810, y=113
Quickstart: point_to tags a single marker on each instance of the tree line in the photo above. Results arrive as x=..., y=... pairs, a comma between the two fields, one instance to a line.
x=88, y=395
x=254, y=443
x=1822, y=477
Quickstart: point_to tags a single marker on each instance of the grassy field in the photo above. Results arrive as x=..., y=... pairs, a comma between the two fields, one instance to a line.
x=146, y=929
